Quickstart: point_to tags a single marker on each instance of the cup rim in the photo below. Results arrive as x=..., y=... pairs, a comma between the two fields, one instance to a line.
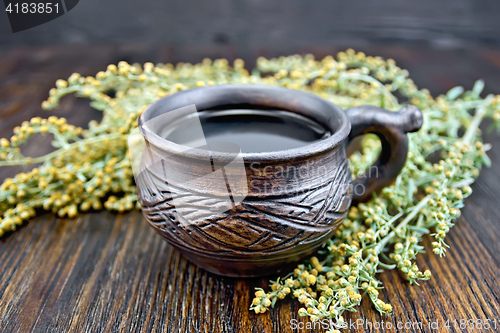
x=235, y=95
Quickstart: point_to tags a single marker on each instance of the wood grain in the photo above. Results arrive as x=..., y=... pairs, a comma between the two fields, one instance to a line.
x=104, y=272
x=218, y=25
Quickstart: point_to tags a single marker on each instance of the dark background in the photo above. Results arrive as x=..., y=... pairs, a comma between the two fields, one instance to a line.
x=189, y=30
x=252, y=27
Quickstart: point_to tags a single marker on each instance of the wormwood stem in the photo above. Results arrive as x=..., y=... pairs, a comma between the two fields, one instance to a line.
x=55, y=153
x=415, y=210
x=470, y=134
x=373, y=81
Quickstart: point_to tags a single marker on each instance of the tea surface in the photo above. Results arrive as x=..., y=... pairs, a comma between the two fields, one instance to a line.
x=254, y=131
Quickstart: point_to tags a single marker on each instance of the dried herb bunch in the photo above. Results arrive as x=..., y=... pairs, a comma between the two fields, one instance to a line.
x=90, y=168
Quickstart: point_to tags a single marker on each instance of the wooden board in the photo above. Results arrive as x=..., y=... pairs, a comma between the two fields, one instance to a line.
x=104, y=272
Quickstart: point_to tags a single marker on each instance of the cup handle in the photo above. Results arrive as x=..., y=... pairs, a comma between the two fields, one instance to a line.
x=391, y=128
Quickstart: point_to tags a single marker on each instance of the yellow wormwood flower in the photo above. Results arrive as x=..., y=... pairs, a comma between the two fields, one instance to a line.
x=61, y=84
x=259, y=293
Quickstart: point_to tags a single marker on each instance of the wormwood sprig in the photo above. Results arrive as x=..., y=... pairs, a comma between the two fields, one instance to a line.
x=89, y=168
x=386, y=232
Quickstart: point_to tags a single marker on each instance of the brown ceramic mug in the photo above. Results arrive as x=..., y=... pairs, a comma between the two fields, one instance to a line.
x=282, y=216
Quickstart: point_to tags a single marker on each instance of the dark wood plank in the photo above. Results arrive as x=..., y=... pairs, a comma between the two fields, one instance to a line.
x=249, y=23
x=104, y=272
